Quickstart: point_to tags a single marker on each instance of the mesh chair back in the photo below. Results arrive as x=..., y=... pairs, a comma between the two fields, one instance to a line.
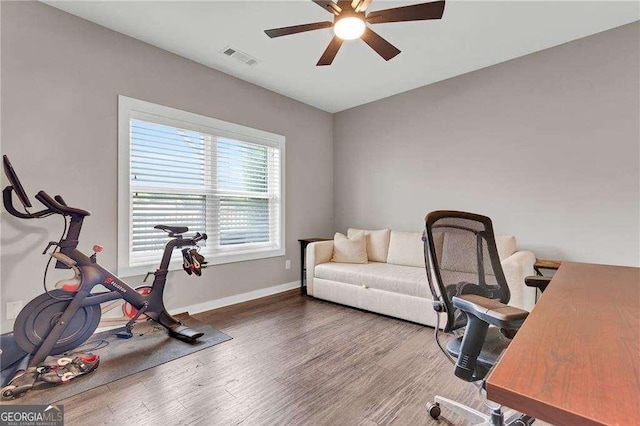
x=462, y=258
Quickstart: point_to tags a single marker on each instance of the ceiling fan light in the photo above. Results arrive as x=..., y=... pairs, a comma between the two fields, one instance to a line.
x=349, y=28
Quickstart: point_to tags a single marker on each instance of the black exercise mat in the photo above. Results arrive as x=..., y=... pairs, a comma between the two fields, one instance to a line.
x=149, y=347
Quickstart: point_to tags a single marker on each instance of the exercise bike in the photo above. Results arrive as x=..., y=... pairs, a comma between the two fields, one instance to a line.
x=62, y=319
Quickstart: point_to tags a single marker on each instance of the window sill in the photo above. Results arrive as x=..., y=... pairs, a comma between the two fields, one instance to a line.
x=211, y=259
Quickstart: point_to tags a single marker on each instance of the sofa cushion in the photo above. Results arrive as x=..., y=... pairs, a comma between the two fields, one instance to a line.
x=406, y=248
x=407, y=280
x=377, y=243
x=349, y=250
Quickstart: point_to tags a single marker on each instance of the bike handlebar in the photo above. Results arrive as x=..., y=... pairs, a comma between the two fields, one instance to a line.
x=8, y=205
x=60, y=208
x=59, y=199
x=53, y=205
x=49, y=202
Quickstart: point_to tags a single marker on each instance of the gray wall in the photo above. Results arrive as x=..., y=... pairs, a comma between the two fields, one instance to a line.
x=60, y=78
x=547, y=145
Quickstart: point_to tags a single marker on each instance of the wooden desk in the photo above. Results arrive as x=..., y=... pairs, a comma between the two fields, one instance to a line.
x=576, y=359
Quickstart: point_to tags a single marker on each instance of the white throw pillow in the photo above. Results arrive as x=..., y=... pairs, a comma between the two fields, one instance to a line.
x=406, y=248
x=377, y=243
x=349, y=250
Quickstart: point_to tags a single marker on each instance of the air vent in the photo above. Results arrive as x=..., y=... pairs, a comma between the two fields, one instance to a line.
x=240, y=56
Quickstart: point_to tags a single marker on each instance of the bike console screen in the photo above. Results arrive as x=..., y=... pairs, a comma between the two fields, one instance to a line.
x=15, y=182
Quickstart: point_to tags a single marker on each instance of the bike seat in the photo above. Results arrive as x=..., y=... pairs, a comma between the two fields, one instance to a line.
x=173, y=229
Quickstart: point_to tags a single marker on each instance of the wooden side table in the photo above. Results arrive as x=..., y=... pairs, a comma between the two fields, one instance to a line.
x=304, y=242
x=551, y=265
x=540, y=281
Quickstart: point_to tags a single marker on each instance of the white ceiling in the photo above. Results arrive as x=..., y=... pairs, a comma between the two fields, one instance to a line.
x=471, y=35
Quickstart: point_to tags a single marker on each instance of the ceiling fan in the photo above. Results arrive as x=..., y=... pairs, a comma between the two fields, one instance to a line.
x=349, y=23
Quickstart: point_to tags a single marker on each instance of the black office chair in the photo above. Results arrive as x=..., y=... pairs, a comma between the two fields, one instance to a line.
x=469, y=288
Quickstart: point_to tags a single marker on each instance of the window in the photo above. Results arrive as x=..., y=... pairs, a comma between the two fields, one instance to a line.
x=181, y=169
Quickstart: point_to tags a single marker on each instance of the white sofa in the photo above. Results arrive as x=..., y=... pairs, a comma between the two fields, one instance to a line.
x=394, y=282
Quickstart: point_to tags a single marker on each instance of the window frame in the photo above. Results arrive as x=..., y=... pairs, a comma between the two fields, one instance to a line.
x=130, y=108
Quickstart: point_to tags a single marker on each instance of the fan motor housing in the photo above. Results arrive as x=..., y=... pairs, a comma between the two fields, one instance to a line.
x=347, y=14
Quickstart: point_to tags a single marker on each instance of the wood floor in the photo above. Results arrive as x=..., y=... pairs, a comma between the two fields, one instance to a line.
x=293, y=360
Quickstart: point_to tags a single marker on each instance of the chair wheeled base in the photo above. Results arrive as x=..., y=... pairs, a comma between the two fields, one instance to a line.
x=477, y=418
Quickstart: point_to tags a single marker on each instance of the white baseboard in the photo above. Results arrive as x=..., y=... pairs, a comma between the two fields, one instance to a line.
x=219, y=303
x=237, y=298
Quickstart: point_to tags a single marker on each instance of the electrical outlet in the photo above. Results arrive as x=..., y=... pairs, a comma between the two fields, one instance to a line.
x=13, y=309
x=287, y=264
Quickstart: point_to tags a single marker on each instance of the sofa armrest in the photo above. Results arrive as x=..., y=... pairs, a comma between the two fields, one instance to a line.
x=516, y=268
x=317, y=253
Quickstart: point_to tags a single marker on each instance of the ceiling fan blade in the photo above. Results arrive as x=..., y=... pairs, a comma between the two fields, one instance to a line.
x=279, y=32
x=380, y=45
x=330, y=52
x=329, y=6
x=416, y=12
x=345, y=4
x=360, y=5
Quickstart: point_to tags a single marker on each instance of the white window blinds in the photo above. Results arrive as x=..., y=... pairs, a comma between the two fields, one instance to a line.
x=247, y=193
x=226, y=187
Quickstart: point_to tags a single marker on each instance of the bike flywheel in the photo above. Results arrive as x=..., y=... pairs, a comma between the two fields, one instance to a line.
x=37, y=318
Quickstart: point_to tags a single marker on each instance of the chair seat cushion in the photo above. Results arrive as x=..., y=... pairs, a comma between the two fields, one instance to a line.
x=407, y=280
x=493, y=346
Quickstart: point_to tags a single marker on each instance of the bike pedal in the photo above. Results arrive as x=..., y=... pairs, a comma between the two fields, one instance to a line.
x=21, y=383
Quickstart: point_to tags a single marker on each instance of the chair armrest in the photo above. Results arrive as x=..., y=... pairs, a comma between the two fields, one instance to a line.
x=491, y=311
x=516, y=267
x=317, y=253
